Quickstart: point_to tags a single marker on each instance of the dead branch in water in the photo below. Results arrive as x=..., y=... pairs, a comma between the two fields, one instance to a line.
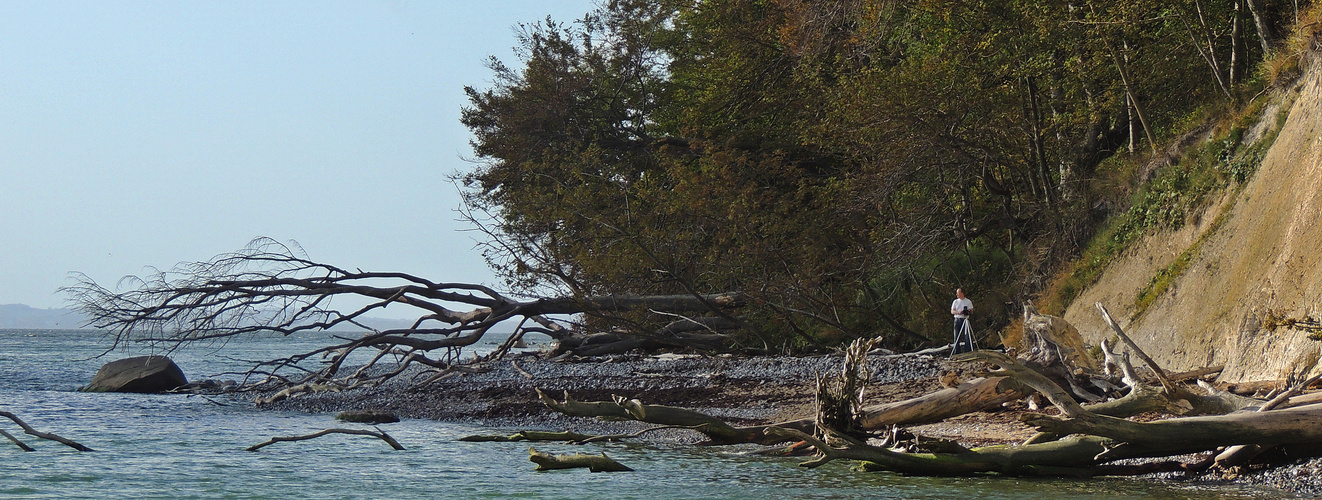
x=43, y=435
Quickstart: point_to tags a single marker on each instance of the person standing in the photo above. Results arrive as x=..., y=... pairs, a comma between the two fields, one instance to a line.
x=960, y=309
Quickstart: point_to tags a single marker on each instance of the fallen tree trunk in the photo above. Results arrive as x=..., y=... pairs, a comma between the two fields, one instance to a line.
x=975, y=395
x=594, y=463
x=271, y=287
x=1071, y=457
x=717, y=431
x=1193, y=434
x=564, y=436
x=1099, y=438
x=1171, y=436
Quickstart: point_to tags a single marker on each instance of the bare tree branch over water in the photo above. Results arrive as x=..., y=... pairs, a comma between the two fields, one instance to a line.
x=274, y=288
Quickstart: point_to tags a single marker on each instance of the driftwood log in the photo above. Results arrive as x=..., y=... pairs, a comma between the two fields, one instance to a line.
x=717, y=431
x=594, y=463
x=1094, y=439
x=975, y=395
x=558, y=436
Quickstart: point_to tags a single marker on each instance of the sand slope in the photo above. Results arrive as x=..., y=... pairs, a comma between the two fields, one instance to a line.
x=1262, y=266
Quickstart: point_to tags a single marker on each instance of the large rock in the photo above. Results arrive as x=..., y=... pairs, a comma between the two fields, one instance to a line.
x=148, y=374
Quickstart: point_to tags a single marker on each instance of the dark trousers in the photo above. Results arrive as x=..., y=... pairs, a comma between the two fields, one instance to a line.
x=963, y=343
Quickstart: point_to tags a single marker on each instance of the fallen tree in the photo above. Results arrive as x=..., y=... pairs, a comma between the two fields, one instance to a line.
x=1079, y=440
x=1092, y=442
x=271, y=287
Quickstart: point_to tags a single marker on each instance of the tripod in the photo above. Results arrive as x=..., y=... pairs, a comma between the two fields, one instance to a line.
x=964, y=339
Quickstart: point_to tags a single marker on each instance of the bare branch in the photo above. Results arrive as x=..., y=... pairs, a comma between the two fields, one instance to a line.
x=272, y=287
x=360, y=432
x=43, y=435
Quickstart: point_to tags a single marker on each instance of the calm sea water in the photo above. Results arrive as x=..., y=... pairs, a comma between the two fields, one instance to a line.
x=177, y=446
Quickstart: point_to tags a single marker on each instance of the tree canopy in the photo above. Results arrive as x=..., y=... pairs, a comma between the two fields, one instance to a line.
x=846, y=163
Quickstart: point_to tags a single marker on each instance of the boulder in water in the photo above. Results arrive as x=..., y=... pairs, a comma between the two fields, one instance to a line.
x=144, y=374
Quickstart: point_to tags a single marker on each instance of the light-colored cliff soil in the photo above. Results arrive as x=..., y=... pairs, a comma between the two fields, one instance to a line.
x=1262, y=266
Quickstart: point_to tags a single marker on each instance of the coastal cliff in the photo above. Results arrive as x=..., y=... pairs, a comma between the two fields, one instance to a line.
x=1250, y=281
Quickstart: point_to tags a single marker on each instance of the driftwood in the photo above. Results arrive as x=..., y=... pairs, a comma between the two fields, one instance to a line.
x=1115, y=327
x=1097, y=440
x=27, y=429
x=21, y=445
x=561, y=436
x=717, y=431
x=1237, y=455
x=1196, y=373
x=1165, y=437
x=361, y=432
x=367, y=417
x=1071, y=457
x=1082, y=440
x=975, y=395
x=594, y=463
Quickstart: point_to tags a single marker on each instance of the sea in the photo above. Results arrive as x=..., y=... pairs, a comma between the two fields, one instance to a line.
x=182, y=446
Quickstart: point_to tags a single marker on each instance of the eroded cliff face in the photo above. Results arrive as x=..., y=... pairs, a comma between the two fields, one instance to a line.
x=1260, y=268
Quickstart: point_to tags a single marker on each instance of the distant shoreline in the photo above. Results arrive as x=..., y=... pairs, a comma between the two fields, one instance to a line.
x=24, y=317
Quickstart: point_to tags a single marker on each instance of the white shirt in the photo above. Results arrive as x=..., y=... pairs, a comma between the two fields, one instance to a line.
x=959, y=305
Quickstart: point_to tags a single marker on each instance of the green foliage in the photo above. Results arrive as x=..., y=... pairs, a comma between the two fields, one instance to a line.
x=846, y=163
x=1167, y=203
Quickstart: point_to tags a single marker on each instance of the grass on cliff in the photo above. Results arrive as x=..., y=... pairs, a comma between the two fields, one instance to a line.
x=1177, y=193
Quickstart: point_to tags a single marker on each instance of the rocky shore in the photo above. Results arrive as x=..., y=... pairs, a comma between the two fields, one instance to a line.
x=741, y=390
x=738, y=389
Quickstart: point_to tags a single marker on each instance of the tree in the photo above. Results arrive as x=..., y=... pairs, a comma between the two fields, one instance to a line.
x=845, y=163
x=270, y=287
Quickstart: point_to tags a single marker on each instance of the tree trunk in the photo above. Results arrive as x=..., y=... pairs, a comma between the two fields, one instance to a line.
x=594, y=463
x=1263, y=29
x=975, y=395
x=717, y=431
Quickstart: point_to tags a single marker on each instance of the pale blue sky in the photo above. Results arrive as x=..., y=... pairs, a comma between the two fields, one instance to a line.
x=138, y=133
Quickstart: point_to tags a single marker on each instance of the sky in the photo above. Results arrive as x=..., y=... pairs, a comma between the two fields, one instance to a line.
x=148, y=133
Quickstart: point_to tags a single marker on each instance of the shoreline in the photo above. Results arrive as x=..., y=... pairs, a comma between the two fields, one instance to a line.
x=739, y=390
